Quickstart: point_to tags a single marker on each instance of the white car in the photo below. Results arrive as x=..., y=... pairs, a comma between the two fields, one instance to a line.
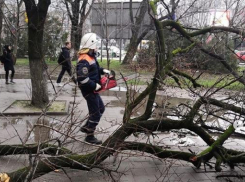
x=113, y=51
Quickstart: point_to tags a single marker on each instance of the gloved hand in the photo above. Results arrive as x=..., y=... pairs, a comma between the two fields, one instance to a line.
x=106, y=71
x=98, y=86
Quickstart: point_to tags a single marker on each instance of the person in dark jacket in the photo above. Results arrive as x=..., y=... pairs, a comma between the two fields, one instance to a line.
x=7, y=60
x=88, y=78
x=65, y=61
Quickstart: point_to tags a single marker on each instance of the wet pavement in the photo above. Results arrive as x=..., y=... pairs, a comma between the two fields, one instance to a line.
x=132, y=166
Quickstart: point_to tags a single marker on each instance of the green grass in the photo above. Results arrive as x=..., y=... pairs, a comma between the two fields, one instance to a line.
x=25, y=105
x=114, y=64
x=25, y=62
x=22, y=61
x=209, y=82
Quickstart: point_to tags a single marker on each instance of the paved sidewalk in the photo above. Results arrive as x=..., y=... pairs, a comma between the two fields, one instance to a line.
x=132, y=166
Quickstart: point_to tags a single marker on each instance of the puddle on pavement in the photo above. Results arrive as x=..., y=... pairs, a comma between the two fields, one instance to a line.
x=162, y=106
x=37, y=134
x=12, y=121
x=42, y=133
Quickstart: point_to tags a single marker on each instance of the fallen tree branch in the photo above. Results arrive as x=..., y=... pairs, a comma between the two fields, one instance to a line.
x=32, y=149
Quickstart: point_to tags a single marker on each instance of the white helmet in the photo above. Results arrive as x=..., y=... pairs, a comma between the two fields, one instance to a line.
x=89, y=41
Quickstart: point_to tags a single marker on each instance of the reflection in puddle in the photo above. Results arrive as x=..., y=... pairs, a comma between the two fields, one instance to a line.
x=12, y=121
x=41, y=133
x=37, y=130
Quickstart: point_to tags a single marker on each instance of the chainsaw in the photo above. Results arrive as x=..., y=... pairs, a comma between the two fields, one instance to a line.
x=107, y=82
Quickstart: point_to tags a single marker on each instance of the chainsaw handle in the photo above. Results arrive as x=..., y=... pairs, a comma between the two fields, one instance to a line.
x=112, y=74
x=107, y=75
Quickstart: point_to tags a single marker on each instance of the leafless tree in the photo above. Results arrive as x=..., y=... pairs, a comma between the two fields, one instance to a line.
x=16, y=25
x=194, y=117
x=78, y=12
x=136, y=24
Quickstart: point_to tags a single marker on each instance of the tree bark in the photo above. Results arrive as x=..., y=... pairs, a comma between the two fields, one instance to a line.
x=76, y=35
x=33, y=149
x=132, y=49
x=38, y=69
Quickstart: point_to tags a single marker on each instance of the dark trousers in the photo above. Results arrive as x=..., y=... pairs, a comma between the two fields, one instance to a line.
x=7, y=74
x=63, y=70
x=96, y=108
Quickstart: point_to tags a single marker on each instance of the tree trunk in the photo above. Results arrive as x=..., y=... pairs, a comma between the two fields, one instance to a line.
x=76, y=36
x=39, y=83
x=132, y=48
x=1, y=19
x=78, y=12
x=37, y=68
x=36, y=19
x=73, y=32
x=77, y=41
x=135, y=29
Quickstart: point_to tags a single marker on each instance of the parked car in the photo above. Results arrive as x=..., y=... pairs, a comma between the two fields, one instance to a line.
x=240, y=55
x=113, y=51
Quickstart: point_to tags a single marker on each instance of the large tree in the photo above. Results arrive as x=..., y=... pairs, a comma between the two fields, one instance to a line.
x=78, y=11
x=36, y=13
x=136, y=24
x=193, y=117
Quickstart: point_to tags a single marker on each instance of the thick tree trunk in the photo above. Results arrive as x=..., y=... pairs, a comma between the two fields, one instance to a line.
x=39, y=83
x=36, y=19
x=37, y=69
x=32, y=149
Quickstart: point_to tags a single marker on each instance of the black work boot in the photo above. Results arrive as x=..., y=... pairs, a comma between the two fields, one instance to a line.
x=11, y=81
x=7, y=82
x=91, y=139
